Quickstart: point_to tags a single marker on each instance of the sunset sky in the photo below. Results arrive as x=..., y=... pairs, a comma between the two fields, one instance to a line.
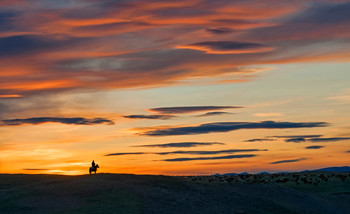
x=174, y=87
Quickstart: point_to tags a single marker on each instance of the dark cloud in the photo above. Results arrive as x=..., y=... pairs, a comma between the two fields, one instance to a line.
x=231, y=126
x=230, y=151
x=126, y=153
x=296, y=136
x=6, y=22
x=153, y=116
x=72, y=120
x=348, y=151
x=314, y=147
x=317, y=19
x=288, y=161
x=222, y=163
x=227, y=45
x=21, y=44
x=235, y=22
x=324, y=13
x=189, y=109
x=310, y=138
x=209, y=158
x=214, y=113
x=219, y=30
x=330, y=139
x=26, y=44
x=295, y=140
x=259, y=140
x=182, y=144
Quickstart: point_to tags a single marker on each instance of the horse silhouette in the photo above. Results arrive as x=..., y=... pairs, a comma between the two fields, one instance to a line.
x=93, y=169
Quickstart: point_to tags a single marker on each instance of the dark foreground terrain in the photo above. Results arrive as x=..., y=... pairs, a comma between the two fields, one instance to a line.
x=309, y=192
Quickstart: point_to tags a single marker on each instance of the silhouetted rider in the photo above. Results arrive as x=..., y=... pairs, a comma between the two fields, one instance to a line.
x=93, y=163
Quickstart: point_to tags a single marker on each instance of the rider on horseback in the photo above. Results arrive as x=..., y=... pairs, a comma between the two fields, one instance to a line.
x=93, y=167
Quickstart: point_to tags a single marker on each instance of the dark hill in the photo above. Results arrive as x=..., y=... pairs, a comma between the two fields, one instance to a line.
x=334, y=169
x=120, y=193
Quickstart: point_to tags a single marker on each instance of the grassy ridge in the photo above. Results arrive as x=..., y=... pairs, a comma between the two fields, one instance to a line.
x=118, y=193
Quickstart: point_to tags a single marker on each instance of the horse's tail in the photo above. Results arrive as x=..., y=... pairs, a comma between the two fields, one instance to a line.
x=90, y=170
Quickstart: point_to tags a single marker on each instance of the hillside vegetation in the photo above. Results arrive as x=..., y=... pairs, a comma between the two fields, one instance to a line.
x=121, y=193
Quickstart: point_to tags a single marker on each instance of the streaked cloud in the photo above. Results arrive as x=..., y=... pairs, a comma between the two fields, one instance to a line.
x=230, y=126
x=63, y=120
x=308, y=138
x=227, y=47
x=181, y=144
x=214, y=113
x=229, y=151
x=209, y=158
x=151, y=117
x=260, y=140
x=189, y=109
x=126, y=153
x=288, y=161
x=314, y=147
x=210, y=152
x=219, y=31
x=295, y=140
x=10, y=96
x=329, y=139
x=296, y=136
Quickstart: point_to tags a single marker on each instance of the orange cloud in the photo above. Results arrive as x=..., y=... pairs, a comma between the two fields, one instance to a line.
x=10, y=95
x=211, y=51
x=35, y=85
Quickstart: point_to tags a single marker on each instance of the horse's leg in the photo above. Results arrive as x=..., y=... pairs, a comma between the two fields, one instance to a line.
x=90, y=171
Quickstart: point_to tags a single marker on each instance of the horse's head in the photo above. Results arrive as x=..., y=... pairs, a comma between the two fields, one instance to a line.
x=97, y=166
